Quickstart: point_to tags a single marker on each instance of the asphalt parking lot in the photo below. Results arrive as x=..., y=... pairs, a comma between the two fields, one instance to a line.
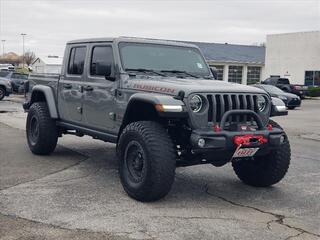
x=76, y=193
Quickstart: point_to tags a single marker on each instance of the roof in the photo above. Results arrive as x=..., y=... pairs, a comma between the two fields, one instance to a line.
x=50, y=60
x=132, y=39
x=232, y=53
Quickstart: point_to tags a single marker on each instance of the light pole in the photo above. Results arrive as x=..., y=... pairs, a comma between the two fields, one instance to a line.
x=23, y=35
x=3, y=41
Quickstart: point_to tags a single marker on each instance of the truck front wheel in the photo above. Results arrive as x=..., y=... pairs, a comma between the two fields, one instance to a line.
x=147, y=161
x=42, y=132
x=265, y=170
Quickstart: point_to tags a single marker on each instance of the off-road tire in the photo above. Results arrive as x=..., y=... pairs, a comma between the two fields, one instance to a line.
x=266, y=170
x=158, y=158
x=43, y=141
x=2, y=92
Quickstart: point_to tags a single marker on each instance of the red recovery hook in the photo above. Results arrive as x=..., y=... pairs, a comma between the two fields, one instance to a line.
x=249, y=139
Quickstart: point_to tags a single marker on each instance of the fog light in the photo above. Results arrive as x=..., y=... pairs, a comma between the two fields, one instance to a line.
x=201, y=142
x=282, y=138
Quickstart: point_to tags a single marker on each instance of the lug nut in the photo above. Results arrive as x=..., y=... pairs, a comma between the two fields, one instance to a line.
x=201, y=142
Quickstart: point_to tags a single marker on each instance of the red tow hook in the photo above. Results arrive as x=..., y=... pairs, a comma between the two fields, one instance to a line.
x=249, y=139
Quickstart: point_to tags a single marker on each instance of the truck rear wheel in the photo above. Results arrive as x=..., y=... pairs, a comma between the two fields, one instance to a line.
x=147, y=161
x=42, y=132
x=265, y=170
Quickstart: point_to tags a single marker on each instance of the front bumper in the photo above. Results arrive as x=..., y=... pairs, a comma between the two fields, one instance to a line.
x=8, y=91
x=294, y=103
x=218, y=144
x=224, y=140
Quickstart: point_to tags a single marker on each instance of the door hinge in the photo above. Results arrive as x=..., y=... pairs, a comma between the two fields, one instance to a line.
x=79, y=109
x=112, y=116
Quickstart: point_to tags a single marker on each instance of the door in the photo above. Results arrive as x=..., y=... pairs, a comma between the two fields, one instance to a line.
x=70, y=85
x=98, y=93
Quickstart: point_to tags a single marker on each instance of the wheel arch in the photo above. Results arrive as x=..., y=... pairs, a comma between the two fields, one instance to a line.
x=142, y=107
x=41, y=93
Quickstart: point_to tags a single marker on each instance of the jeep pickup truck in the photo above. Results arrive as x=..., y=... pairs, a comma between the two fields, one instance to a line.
x=160, y=104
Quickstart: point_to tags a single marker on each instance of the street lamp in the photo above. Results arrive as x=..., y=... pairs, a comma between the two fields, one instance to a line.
x=3, y=41
x=23, y=35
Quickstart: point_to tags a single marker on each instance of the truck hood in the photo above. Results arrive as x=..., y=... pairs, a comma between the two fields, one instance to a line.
x=172, y=86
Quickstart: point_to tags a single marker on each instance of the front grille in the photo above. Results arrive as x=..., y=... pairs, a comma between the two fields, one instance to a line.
x=221, y=103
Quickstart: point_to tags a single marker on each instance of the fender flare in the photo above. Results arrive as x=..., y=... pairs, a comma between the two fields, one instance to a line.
x=153, y=99
x=49, y=96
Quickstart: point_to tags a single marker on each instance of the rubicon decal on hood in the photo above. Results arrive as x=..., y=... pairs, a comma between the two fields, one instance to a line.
x=153, y=88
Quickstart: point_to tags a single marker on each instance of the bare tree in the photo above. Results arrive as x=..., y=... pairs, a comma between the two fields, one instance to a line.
x=29, y=57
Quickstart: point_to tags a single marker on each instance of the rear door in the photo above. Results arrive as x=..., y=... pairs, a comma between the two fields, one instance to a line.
x=99, y=93
x=70, y=85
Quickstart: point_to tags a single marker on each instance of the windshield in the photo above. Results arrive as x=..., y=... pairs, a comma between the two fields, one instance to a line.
x=163, y=58
x=272, y=89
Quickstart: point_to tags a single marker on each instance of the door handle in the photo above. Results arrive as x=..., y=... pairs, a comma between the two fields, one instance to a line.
x=67, y=86
x=88, y=88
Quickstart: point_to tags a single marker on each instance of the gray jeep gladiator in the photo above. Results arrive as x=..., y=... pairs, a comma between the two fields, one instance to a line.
x=160, y=104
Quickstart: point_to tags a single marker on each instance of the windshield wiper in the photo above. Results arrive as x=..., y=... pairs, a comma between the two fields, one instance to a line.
x=178, y=71
x=145, y=71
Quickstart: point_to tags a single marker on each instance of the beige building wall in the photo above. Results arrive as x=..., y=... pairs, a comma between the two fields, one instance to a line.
x=291, y=54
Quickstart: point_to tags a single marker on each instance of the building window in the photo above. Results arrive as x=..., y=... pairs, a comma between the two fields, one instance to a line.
x=312, y=78
x=219, y=71
x=235, y=74
x=253, y=75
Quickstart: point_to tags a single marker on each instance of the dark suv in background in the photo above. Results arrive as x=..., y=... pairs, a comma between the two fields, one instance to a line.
x=284, y=84
x=290, y=100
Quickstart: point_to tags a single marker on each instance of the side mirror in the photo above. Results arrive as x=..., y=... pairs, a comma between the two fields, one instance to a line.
x=101, y=69
x=214, y=72
x=108, y=73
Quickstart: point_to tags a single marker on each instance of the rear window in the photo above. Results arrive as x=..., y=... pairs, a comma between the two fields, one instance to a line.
x=76, y=60
x=19, y=76
x=283, y=81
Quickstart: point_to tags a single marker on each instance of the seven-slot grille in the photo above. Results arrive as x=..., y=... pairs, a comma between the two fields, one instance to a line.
x=220, y=103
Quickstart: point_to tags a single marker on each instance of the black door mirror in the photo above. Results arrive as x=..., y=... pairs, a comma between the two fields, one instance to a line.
x=109, y=73
x=214, y=72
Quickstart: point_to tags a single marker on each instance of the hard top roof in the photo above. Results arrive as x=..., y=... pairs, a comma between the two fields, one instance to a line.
x=132, y=39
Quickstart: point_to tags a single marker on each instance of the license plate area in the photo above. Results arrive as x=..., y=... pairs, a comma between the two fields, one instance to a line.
x=244, y=152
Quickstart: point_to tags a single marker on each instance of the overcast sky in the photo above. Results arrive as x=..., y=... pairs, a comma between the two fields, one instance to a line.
x=49, y=24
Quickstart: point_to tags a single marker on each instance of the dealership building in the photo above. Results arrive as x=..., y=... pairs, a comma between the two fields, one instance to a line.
x=235, y=63
x=295, y=56
x=292, y=55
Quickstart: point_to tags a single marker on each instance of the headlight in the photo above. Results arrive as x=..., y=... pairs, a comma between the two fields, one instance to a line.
x=262, y=103
x=196, y=103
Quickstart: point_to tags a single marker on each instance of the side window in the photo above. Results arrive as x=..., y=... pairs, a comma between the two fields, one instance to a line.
x=76, y=61
x=283, y=81
x=101, y=61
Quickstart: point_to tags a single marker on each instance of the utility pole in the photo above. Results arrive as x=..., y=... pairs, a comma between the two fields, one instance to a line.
x=23, y=35
x=3, y=41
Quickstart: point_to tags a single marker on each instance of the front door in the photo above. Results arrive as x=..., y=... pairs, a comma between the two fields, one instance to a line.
x=98, y=93
x=70, y=85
